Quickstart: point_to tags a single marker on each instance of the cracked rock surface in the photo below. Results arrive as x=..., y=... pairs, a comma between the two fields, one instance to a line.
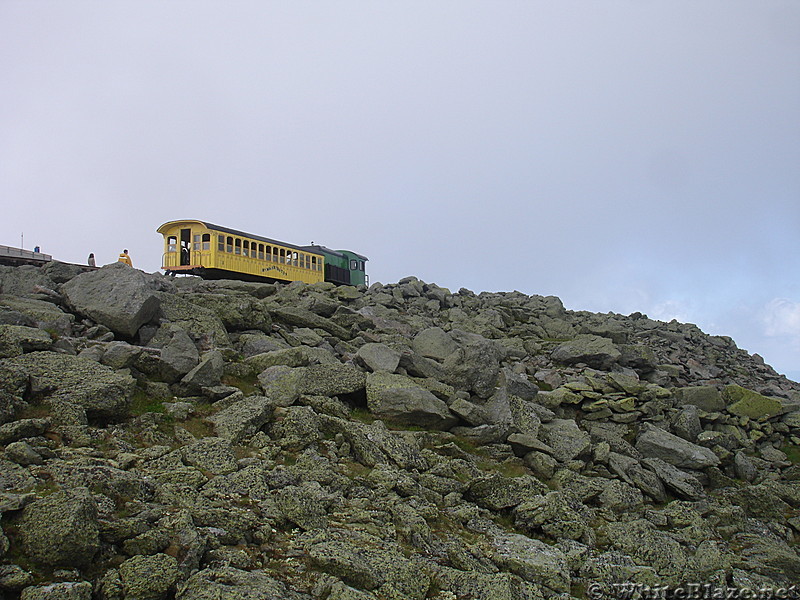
x=174, y=438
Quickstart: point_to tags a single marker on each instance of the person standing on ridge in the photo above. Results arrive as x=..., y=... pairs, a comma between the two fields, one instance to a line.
x=91, y=261
x=124, y=258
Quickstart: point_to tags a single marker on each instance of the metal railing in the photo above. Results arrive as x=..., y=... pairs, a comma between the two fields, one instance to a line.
x=12, y=252
x=197, y=258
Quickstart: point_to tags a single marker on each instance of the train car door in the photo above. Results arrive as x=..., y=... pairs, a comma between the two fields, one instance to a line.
x=186, y=240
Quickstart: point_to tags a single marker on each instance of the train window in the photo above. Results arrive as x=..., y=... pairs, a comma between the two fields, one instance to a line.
x=353, y=265
x=246, y=248
x=206, y=241
x=313, y=266
x=274, y=254
x=282, y=259
x=294, y=259
x=172, y=244
x=269, y=253
x=221, y=243
x=361, y=266
x=302, y=261
x=261, y=251
x=230, y=244
x=196, y=241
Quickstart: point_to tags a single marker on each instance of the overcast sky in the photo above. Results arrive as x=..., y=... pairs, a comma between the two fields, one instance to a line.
x=622, y=155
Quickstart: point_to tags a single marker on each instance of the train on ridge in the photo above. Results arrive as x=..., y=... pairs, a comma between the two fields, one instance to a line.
x=214, y=252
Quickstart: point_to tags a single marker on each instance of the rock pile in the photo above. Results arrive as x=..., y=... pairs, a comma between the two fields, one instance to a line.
x=179, y=438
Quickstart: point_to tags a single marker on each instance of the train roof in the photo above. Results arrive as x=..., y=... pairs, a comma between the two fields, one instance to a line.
x=326, y=250
x=314, y=248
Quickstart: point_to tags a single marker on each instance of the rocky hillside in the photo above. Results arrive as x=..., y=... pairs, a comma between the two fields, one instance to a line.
x=180, y=438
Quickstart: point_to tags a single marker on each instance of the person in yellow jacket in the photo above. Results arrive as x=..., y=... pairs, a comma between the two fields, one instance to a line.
x=124, y=258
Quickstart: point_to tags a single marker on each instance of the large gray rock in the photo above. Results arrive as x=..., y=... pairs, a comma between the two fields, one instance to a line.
x=120, y=355
x=645, y=544
x=242, y=419
x=305, y=505
x=379, y=357
x=435, y=343
x=302, y=356
x=61, y=272
x=398, y=398
x=102, y=479
x=551, y=514
x=533, y=560
x=637, y=356
x=567, y=440
x=179, y=353
x=252, y=343
x=634, y=473
x=61, y=529
x=31, y=312
x=331, y=380
x=620, y=497
x=469, y=411
x=792, y=419
x=199, y=322
x=524, y=416
x=747, y=403
x=207, y=373
x=121, y=298
x=681, y=483
x=21, y=281
x=228, y=583
x=598, y=352
x=15, y=339
x=370, y=563
x=486, y=586
x=148, y=577
x=282, y=384
x=475, y=366
x=704, y=397
x=251, y=288
x=687, y=423
x=654, y=442
x=103, y=393
x=296, y=427
x=65, y=590
x=768, y=555
x=374, y=444
x=497, y=492
x=295, y=315
x=517, y=384
x=22, y=428
x=211, y=454
x=238, y=312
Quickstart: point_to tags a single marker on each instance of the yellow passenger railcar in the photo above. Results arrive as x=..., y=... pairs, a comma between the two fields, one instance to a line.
x=214, y=252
